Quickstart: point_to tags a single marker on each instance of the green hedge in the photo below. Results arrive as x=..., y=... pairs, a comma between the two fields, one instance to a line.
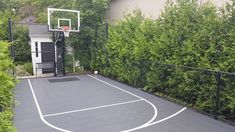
x=7, y=83
x=6, y=124
x=187, y=34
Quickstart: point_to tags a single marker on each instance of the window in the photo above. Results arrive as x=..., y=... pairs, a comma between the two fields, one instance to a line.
x=36, y=48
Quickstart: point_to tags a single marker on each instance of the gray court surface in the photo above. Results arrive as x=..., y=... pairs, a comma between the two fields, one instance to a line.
x=92, y=103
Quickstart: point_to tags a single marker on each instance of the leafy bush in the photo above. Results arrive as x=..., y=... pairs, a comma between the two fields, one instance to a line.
x=21, y=45
x=186, y=33
x=7, y=83
x=20, y=71
x=28, y=68
x=6, y=124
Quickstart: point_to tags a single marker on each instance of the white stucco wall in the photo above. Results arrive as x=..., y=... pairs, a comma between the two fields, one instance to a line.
x=150, y=8
x=33, y=53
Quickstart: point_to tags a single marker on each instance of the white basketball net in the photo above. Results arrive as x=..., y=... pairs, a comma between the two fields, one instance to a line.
x=66, y=30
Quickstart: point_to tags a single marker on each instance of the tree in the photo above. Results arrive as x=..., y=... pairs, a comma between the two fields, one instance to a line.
x=5, y=15
x=92, y=17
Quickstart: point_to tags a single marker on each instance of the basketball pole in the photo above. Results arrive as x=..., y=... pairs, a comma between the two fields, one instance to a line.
x=53, y=37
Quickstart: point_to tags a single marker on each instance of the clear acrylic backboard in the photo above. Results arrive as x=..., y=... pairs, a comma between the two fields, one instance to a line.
x=59, y=18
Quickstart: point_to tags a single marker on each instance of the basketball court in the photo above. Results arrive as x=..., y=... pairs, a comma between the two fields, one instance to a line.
x=93, y=103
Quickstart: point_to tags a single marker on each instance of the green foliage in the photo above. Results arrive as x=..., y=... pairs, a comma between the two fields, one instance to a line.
x=20, y=37
x=10, y=4
x=7, y=83
x=4, y=23
x=6, y=124
x=69, y=64
x=8, y=9
x=20, y=71
x=21, y=45
x=187, y=34
x=28, y=67
x=127, y=45
x=87, y=45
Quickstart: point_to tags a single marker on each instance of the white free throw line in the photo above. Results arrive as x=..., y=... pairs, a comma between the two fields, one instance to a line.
x=154, y=107
x=156, y=122
x=40, y=112
x=92, y=108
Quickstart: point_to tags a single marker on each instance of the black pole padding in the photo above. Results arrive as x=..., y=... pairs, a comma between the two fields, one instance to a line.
x=217, y=99
x=53, y=37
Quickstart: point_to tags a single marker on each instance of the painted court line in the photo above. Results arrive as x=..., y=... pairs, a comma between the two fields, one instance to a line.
x=40, y=112
x=154, y=107
x=149, y=123
x=156, y=122
x=92, y=108
x=169, y=117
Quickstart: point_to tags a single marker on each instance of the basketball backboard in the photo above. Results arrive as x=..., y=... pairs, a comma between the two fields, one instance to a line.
x=59, y=18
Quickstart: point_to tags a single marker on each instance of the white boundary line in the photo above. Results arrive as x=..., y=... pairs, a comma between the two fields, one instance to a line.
x=149, y=123
x=156, y=122
x=40, y=112
x=166, y=118
x=154, y=107
x=92, y=108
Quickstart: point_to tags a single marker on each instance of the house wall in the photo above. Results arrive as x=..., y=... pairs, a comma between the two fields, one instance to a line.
x=33, y=54
x=150, y=8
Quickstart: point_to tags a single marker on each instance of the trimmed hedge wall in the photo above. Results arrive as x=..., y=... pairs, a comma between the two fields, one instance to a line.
x=186, y=33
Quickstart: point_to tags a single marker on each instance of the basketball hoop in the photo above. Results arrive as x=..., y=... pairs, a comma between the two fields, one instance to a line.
x=66, y=30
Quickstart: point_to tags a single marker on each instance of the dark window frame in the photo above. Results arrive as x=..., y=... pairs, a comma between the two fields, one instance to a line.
x=36, y=48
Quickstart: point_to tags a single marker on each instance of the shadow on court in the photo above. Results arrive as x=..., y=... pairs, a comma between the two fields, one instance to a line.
x=92, y=103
